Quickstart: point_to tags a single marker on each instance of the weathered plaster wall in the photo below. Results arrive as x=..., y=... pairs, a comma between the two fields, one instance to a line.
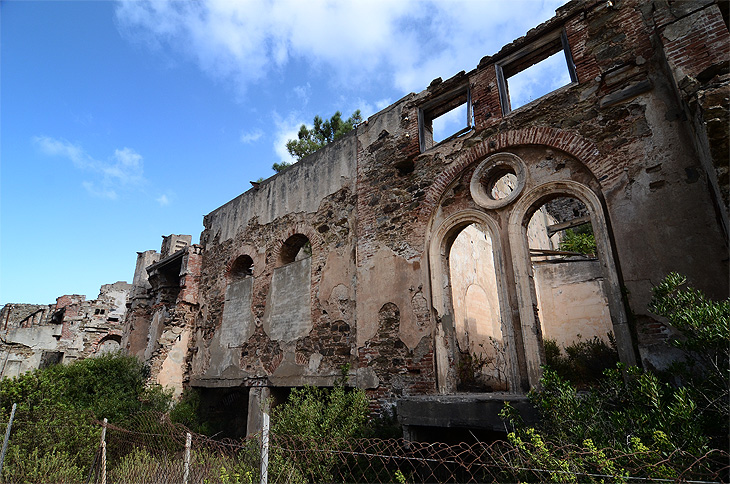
x=71, y=329
x=381, y=217
x=299, y=188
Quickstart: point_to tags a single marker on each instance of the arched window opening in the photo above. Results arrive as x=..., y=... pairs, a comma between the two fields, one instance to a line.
x=482, y=348
x=570, y=287
x=295, y=248
x=109, y=344
x=242, y=267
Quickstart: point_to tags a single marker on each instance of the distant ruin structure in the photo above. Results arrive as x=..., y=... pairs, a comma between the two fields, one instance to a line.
x=37, y=335
x=395, y=254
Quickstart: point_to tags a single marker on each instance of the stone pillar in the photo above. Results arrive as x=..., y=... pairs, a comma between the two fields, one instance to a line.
x=258, y=401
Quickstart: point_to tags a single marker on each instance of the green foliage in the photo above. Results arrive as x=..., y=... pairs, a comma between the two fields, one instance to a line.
x=321, y=413
x=319, y=418
x=279, y=167
x=584, y=361
x=705, y=328
x=57, y=405
x=186, y=411
x=665, y=426
x=322, y=133
x=469, y=368
x=626, y=402
x=579, y=241
x=38, y=466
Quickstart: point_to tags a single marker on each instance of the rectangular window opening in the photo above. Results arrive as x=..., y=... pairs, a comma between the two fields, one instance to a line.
x=536, y=70
x=445, y=118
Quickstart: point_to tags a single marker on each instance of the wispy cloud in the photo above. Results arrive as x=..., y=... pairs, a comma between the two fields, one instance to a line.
x=163, y=200
x=303, y=93
x=122, y=170
x=405, y=43
x=286, y=129
x=250, y=137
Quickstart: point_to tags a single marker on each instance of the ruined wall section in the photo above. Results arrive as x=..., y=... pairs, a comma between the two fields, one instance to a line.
x=298, y=189
x=394, y=325
x=615, y=130
x=254, y=344
x=696, y=45
x=370, y=203
x=649, y=172
x=139, y=307
x=73, y=328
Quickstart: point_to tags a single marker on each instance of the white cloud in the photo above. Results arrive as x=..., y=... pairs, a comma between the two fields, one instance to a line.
x=123, y=170
x=286, y=129
x=405, y=43
x=163, y=200
x=250, y=137
x=303, y=93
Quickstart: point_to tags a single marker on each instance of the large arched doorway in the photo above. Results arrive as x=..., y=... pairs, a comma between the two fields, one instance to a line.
x=476, y=352
x=566, y=292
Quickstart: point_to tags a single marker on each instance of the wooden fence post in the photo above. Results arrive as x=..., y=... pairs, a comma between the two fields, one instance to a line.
x=188, y=441
x=265, y=441
x=103, y=452
x=7, y=438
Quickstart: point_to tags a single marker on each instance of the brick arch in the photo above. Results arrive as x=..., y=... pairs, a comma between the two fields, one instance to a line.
x=314, y=239
x=241, y=250
x=110, y=335
x=568, y=141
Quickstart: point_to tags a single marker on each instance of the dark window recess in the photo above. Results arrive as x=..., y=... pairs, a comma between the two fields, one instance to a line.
x=242, y=267
x=538, y=69
x=295, y=248
x=50, y=358
x=445, y=118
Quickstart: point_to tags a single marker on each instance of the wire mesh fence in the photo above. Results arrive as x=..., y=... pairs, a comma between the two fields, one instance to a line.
x=151, y=450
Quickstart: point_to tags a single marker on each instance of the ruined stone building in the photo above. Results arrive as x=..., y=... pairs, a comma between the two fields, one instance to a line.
x=39, y=335
x=395, y=255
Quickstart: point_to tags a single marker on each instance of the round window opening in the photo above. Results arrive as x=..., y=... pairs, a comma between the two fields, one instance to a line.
x=498, y=180
x=501, y=184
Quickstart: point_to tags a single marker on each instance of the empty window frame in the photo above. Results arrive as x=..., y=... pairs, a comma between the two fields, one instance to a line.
x=535, y=70
x=443, y=118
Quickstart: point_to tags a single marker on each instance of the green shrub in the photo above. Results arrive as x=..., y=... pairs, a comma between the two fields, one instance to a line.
x=186, y=411
x=705, y=332
x=56, y=406
x=660, y=427
x=38, y=466
x=318, y=421
x=579, y=241
x=584, y=362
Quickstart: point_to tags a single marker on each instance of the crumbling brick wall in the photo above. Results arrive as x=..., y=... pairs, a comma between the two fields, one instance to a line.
x=635, y=137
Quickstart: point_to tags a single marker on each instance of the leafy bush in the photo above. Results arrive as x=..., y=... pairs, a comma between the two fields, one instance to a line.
x=705, y=332
x=580, y=241
x=320, y=421
x=186, y=411
x=56, y=406
x=665, y=425
x=584, y=361
x=38, y=466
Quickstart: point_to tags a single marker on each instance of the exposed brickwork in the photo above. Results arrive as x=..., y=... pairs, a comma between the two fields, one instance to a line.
x=640, y=133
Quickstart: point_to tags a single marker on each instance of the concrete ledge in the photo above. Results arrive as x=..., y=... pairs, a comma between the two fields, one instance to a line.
x=467, y=410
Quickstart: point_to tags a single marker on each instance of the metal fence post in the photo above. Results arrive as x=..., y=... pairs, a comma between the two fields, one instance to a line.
x=188, y=441
x=265, y=441
x=103, y=452
x=7, y=438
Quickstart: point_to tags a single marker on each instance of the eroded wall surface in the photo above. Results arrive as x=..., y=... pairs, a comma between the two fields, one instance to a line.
x=36, y=336
x=634, y=137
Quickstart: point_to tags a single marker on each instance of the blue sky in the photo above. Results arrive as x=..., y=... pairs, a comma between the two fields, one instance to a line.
x=124, y=121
